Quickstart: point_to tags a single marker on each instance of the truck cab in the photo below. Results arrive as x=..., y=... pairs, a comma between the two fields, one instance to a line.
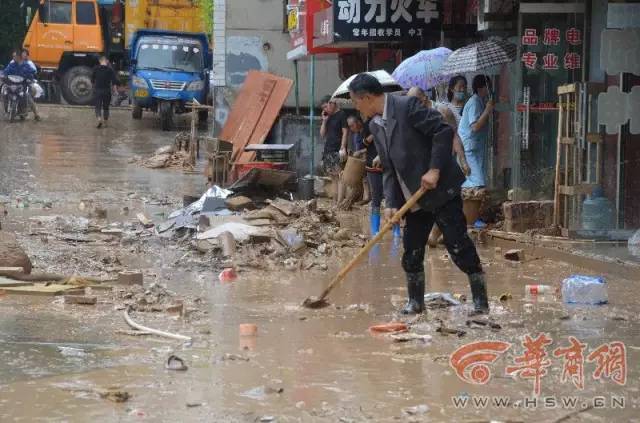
x=168, y=71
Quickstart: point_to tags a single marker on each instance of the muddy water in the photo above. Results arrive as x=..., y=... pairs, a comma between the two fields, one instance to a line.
x=326, y=363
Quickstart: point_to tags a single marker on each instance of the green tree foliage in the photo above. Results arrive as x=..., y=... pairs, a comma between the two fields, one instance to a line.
x=12, y=28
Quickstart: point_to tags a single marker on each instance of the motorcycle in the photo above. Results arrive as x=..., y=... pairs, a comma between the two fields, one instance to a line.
x=15, y=92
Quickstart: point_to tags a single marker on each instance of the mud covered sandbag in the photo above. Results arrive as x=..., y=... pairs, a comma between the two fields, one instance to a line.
x=11, y=254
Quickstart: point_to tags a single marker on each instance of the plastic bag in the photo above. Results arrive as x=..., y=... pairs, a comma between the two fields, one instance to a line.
x=37, y=90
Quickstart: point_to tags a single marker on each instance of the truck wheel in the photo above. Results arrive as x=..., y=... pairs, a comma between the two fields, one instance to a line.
x=136, y=113
x=76, y=86
x=166, y=115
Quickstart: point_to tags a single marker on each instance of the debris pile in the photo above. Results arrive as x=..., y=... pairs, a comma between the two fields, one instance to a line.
x=265, y=234
x=174, y=156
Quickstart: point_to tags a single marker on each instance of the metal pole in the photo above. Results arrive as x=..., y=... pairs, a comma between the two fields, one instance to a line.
x=618, y=163
x=297, y=88
x=312, y=101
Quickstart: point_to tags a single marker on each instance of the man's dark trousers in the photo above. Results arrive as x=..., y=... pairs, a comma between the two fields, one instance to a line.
x=451, y=221
x=103, y=101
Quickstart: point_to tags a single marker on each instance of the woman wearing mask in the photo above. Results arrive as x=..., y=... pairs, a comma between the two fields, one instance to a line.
x=456, y=96
x=473, y=131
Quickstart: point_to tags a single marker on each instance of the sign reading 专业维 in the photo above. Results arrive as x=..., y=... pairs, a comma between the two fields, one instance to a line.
x=384, y=20
x=551, y=48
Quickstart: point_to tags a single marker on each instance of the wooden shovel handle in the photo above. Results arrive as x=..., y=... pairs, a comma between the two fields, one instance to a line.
x=373, y=241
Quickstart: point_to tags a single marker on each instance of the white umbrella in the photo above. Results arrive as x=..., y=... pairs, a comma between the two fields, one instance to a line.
x=388, y=83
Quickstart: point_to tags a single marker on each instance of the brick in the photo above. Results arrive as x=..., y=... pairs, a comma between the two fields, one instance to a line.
x=80, y=299
x=514, y=255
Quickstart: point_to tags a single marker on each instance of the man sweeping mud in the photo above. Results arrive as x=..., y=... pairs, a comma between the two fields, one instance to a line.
x=414, y=145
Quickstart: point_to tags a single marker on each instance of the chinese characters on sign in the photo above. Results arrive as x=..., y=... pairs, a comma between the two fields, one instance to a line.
x=384, y=20
x=551, y=37
x=471, y=361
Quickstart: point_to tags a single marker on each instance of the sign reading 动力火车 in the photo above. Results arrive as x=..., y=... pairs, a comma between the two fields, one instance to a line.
x=384, y=20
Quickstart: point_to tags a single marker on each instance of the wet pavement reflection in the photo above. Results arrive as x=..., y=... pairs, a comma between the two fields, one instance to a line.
x=304, y=365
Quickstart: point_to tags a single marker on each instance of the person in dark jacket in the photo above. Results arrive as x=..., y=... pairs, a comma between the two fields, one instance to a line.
x=414, y=145
x=104, y=80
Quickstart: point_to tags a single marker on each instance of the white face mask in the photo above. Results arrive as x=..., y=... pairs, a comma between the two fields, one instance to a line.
x=459, y=95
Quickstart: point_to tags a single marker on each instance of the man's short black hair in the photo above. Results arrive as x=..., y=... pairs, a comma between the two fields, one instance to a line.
x=325, y=100
x=365, y=83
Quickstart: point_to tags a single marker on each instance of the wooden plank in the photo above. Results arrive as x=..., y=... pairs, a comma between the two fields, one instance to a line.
x=9, y=283
x=44, y=290
x=270, y=114
x=572, y=190
x=566, y=89
x=556, y=197
x=567, y=140
x=253, y=116
x=254, y=112
x=594, y=138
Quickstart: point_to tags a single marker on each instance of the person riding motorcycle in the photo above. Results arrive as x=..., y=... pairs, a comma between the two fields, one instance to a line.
x=27, y=70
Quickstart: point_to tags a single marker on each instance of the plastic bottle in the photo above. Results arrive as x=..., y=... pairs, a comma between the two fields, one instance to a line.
x=538, y=289
x=580, y=289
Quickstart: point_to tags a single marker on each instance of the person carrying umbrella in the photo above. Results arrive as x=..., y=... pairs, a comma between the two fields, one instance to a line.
x=414, y=146
x=474, y=132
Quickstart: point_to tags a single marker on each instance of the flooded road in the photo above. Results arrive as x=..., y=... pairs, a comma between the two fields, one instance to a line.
x=303, y=365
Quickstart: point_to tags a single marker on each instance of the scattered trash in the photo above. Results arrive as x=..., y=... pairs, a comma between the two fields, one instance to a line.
x=115, y=395
x=248, y=329
x=389, y=327
x=528, y=308
x=406, y=337
x=193, y=404
x=72, y=352
x=416, y=410
x=144, y=220
x=514, y=255
x=538, y=289
x=234, y=357
x=228, y=275
x=444, y=330
x=505, y=297
x=581, y=289
x=440, y=300
x=239, y=203
x=261, y=392
x=139, y=327
x=175, y=363
x=480, y=322
x=460, y=297
x=80, y=299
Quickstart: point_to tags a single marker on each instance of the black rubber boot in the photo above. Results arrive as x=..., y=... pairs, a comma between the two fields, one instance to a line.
x=479, y=294
x=415, y=290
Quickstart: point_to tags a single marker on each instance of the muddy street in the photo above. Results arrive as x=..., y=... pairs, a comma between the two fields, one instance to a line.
x=72, y=195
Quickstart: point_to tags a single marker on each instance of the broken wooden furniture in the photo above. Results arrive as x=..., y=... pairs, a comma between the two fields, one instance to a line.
x=579, y=157
x=218, y=161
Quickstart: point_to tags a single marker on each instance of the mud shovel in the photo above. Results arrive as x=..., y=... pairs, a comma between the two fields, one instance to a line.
x=321, y=301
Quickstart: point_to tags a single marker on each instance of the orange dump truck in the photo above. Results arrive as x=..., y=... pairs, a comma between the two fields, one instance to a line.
x=66, y=37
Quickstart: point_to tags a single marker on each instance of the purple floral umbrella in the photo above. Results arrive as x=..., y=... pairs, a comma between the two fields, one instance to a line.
x=423, y=69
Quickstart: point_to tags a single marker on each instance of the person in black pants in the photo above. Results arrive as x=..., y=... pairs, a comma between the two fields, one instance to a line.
x=414, y=145
x=104, y=80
